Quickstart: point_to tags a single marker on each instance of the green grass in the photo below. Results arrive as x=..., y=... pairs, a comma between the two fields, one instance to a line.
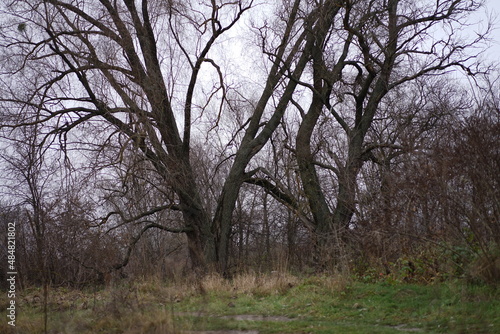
x=285, y=304
x=358, y=308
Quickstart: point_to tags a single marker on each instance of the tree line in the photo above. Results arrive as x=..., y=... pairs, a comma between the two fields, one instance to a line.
x=138, y=135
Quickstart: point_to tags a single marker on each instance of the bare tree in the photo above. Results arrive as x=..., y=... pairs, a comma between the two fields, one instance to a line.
x=141, y=84
x=374, y=47
x=29, y=181
x=133, y=70
x=392, y=219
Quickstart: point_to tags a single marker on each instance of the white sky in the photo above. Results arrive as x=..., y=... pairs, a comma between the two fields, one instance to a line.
x=493, y=9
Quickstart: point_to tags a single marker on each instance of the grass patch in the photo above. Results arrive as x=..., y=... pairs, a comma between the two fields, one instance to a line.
x=274, y=303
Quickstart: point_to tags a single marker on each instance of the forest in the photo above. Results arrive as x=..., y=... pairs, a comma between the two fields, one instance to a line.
x=176, y=139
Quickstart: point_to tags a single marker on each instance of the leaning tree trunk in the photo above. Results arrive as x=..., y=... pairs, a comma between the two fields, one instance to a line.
x=347, y=178
x=222, y=222
x=322, y=217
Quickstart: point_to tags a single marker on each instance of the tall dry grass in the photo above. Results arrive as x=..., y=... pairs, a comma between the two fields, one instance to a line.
x=276, y=282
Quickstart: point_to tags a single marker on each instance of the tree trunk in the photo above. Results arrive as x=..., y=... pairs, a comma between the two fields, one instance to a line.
x=312, y=188
x=346, y=198
x=222, y=222
x=200, y=239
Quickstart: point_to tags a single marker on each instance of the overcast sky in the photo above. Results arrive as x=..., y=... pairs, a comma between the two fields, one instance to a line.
x=493, y=8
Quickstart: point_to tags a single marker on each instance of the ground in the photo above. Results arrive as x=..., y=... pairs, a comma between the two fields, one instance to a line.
x=254, y=303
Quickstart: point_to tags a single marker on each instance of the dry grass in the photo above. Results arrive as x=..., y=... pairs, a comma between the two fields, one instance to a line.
x=147, y=305
x=249, y=283
x=335, y=283
x=155, y=306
